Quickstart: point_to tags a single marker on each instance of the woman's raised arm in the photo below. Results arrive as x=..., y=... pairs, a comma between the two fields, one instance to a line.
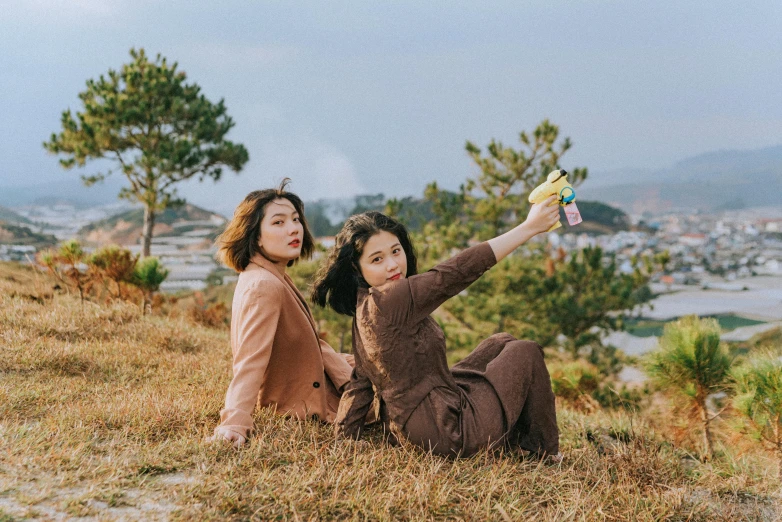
x=413, y=299
x=541, y=217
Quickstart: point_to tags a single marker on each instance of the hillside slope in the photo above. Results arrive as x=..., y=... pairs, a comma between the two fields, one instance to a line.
x=599, y=218
x=126, y=228
x=103, y=413
x=21, y=235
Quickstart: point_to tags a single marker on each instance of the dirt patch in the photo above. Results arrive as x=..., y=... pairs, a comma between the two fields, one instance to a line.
x=35, y=499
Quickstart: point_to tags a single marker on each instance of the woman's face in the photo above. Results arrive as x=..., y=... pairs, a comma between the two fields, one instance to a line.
x=281, y=231
x=383, y=259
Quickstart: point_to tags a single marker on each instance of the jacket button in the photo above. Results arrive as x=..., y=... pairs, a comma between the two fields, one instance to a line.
x=316, y=385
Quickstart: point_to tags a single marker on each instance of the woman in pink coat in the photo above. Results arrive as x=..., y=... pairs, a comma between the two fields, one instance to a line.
x=279, y=360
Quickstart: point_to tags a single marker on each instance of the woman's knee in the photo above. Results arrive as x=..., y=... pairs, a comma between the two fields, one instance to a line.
x=530, y=349
x=502, y=337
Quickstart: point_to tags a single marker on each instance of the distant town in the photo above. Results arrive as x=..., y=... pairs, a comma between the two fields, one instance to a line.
x=706, y=249
x=185, y=247
x=727, y=262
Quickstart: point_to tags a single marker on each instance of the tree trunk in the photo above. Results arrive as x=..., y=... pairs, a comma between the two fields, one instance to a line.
x=146, y=302
x=501, y=324
x=778, y=441
x=149, y=224
x=706, y=430
x=779, y=464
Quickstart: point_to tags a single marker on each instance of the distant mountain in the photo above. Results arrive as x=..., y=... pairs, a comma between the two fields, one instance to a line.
x=70, y=190
x=715, y=180
x=628, y=176
x=600, y=218
x=730, y=166
x=20, y=235
x=126, y=228
x=718, y=180
x=9, y=216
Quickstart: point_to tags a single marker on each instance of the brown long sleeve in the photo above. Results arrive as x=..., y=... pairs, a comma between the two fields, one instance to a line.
x=398, y=347
x=357, y=400
x=411, y=300
x=336, y=365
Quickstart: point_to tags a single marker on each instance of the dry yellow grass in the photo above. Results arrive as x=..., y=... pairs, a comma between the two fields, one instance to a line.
x=103, y=413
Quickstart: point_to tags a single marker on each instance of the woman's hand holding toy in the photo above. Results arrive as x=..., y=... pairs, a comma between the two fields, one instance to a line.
x=542, y=216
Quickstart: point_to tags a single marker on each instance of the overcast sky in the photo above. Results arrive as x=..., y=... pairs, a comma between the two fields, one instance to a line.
x=367, y=97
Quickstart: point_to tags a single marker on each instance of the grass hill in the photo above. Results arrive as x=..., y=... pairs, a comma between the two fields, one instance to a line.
x=126, y=228
x=103, y=413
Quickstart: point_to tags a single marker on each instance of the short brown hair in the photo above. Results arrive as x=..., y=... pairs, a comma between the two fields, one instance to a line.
x=239, y=241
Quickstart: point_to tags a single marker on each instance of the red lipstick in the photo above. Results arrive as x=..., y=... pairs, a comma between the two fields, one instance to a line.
x=395, y=277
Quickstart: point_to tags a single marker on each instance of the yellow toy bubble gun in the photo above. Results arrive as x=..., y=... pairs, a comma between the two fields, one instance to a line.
x=556, y=184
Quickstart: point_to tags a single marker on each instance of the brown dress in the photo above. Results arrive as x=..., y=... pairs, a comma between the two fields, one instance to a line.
x=500, y=393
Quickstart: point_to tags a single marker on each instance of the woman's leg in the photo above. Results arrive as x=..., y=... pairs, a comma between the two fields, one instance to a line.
x=484, y=353
x=536, y=427
x=517, y=372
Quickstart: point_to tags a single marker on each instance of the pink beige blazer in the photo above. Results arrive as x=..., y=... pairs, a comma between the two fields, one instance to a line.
x=278, y=358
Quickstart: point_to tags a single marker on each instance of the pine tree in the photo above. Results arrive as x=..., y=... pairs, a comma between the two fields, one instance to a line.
x=68, y=265
x=692, y=361
x=116, y=264
x=497, y=200
x=154, y=128
x=759, y=398
x=148, y=275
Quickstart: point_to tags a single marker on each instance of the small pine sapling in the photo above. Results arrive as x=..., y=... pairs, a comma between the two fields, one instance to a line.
x=692, y=361
x=67, y=265
x=116, y=264
x=759, y=398
x=148, y=275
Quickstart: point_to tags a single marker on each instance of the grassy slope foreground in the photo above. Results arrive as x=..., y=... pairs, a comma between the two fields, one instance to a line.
x=103, y=413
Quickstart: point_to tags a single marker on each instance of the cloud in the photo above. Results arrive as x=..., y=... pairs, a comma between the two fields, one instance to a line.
x=334, y=174
x=317, y=170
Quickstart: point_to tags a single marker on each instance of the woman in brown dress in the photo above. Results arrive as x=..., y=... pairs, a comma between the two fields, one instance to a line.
x=500, y=394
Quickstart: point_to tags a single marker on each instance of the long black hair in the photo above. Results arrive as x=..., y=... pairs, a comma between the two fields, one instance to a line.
x=337, y=282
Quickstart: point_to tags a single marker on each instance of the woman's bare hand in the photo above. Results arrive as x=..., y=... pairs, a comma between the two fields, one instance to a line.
x=226, y=435
x=542, y=216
